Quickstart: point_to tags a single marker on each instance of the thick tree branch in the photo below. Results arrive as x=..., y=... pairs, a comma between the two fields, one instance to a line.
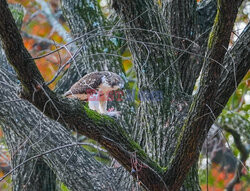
x=150, y=45
x=201, y=117
x=199, y=24
x=40, y=134
x=98, y=127
x=206, y=12
x=85, y=19
x=183, y=23
x=36, y=175
x=237, y=64
x=47, y=135
x=148, y=37
x=105, y=130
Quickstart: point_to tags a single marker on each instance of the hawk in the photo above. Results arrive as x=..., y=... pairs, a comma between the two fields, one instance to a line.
x=94, y=88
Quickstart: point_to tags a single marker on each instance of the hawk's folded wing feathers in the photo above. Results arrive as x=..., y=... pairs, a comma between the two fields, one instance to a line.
x=96, y=81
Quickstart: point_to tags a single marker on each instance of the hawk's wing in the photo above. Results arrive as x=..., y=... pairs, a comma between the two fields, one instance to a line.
x=85, y=86
x=96, y=81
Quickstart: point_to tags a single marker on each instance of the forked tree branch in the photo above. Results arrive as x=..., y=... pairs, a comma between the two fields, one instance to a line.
x=72, y=113
x=25, y=127
x=201, y=114
x=105, y=130
x=237, y=64
x=183, y=22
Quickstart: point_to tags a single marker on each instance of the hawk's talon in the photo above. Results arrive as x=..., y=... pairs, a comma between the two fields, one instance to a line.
x=111, y=109
x=115, y=114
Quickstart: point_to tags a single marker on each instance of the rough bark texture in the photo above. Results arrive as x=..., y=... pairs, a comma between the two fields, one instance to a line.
x=201, y=114
x=83, y=171
x=236, y=63
x=169, y=133
x=152, y=56
x=183, y=23
x=94, y=44
x=35, y=175
x=99, y=47
x=100, y=128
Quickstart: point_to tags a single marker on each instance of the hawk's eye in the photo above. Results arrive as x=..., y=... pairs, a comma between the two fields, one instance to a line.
x=113, y=84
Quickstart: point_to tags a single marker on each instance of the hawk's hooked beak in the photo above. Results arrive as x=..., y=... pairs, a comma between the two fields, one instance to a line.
x=121, y=85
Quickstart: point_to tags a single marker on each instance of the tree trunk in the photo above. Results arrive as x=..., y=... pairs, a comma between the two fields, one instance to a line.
x=35, y=175
x=170, y=132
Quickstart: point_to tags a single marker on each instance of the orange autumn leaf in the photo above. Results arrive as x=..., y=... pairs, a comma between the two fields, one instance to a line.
x=28, y=43
x=1, y=173
x=40, y=64
x=22, y=2
x=12, y=1
x=221, y=176
x=57, y=38
x=41, y=29
x=47, y=69
x=127, y=64
x=212, y=188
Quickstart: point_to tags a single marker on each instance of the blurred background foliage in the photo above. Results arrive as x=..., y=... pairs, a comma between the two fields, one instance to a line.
x=44, y=29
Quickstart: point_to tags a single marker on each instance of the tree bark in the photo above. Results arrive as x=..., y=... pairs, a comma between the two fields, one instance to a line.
x=36, y=175
x=155, y=69
x=201, y=114
x=46, y=135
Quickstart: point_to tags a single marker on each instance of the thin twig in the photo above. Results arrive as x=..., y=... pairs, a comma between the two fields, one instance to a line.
x=39, y=155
